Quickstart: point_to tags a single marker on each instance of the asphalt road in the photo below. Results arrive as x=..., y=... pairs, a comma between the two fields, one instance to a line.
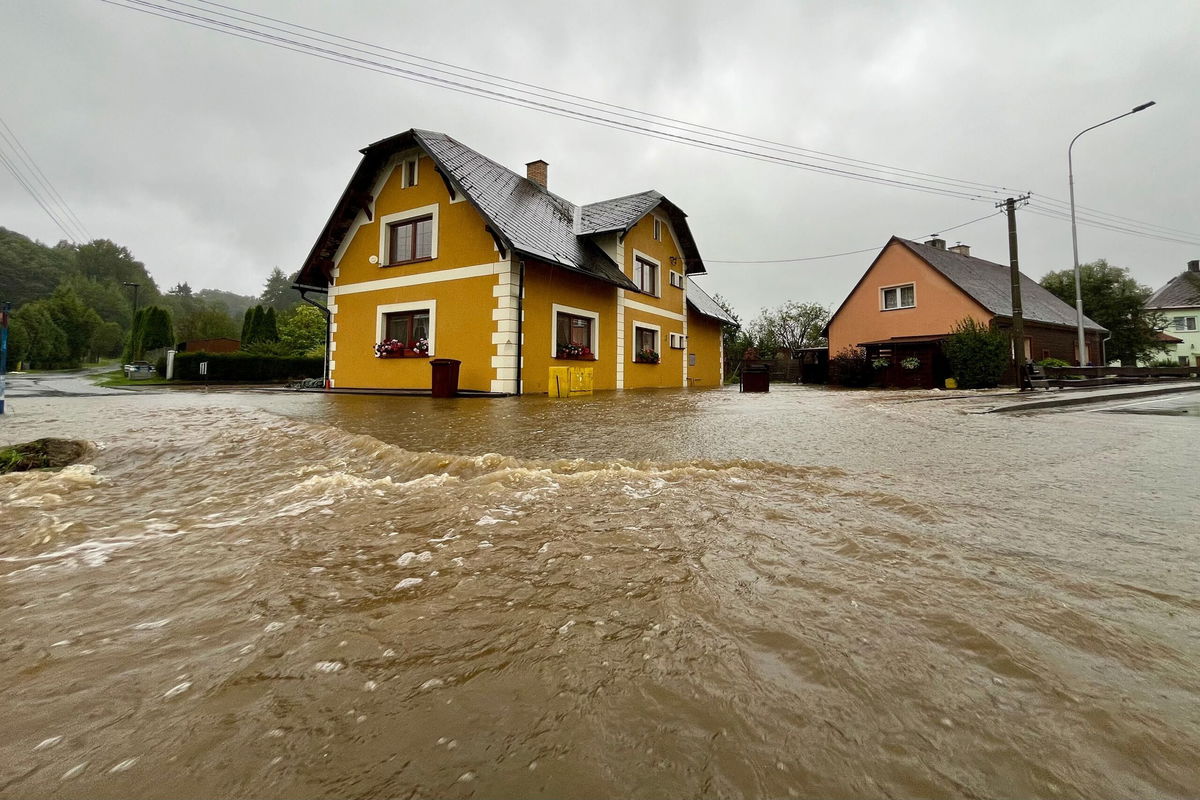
x=72, y=383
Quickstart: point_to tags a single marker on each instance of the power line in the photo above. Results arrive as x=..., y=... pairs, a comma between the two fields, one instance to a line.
x=847, y=253
x=338, y=56
x=10, y=136
x=32, y=193
x=534, y=97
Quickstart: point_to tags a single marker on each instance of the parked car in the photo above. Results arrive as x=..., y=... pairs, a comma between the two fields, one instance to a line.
x=139, y=370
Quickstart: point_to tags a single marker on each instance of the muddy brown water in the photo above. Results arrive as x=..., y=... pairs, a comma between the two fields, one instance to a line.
x=655, y=594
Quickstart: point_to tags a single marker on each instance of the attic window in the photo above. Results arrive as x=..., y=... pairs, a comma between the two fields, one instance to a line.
x=408, y=174
x=894, y=297
x=657, y=229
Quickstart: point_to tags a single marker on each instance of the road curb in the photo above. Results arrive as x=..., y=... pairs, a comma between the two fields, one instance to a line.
x=1078, y=400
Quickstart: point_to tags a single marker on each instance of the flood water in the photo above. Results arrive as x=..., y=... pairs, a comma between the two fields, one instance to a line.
x=649, y=594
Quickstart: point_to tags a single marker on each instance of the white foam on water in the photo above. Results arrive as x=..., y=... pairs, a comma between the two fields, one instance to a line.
x=177, y=690
x=487, y=519
x=484, y=543
x=124, y=765
x=432, y=683
x=328, y=666
x=149, y=626
x=75, y=771
x=408, y=583
x=45, y=743
x=271, y=627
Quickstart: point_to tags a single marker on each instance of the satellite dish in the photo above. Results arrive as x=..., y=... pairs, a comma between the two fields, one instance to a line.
x=374, y=259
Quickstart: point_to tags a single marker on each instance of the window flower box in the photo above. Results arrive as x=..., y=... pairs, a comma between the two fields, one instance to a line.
x=646, y=356
x=575, y=352
x=392, y=348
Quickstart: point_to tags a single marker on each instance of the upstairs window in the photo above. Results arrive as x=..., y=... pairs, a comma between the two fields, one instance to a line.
x=1183, y=323
x=657, y=229
x=895, y=297
x=410, y=240
x=645, y=275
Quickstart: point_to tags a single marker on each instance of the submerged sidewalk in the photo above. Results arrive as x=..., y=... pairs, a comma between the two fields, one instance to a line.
x=1038, y=400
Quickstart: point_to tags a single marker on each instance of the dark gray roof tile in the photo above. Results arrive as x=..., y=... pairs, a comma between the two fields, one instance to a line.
x=1182, y=291
x=990, y=285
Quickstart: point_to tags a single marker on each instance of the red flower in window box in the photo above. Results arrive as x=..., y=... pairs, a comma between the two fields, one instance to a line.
x=576, y=352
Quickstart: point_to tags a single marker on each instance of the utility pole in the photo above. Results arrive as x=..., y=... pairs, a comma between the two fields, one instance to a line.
x=1014, y=272
x=135, y=291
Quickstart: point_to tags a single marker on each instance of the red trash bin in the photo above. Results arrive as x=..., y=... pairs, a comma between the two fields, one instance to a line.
x=445, y=377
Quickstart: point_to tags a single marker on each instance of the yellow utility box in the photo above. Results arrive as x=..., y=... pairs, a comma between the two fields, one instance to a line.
x=570, y=381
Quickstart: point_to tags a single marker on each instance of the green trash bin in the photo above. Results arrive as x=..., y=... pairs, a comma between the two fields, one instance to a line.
x=445, y=376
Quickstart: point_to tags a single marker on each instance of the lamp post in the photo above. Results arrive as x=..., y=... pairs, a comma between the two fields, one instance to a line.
x=1074, y=233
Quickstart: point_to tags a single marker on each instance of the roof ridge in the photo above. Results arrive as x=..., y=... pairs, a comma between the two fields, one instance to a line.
x=624, y=197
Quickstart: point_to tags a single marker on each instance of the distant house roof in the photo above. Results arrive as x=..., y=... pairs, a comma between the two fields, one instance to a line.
x=989, y=284
x=1181, y=291
x=522, y=215
x=699, y=300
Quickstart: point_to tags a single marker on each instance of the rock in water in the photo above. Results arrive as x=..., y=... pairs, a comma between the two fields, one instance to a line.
x=41, y=454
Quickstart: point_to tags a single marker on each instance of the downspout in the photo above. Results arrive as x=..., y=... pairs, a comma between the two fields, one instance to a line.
x=324, y=309
x=1104, y=350
x=520, y=320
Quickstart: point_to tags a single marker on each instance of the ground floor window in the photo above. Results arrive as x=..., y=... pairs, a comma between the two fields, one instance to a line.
x=573, y=337
x=645, y=345
x=405, y=333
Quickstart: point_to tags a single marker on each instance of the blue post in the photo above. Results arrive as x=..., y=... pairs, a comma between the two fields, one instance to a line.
x=3, y=349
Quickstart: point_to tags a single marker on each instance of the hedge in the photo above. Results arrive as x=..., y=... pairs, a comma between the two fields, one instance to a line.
x=246, y=367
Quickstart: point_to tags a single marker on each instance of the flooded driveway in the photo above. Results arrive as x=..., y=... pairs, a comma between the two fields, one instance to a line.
x=650, y=594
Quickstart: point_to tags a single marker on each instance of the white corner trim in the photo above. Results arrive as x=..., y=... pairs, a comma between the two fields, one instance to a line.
x=656, y=311
x=594, y=316
x=657, y=272
x=417, y=305
x=400, y=216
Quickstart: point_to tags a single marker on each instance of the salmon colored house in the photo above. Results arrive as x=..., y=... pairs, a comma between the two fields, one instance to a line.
x=912, y=296
x=434, y=250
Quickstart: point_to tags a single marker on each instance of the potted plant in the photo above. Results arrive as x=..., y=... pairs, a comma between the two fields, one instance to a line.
x=880, y=363
x=647, y=356
x=577, y=352
x=910, y=363
x=389, y=348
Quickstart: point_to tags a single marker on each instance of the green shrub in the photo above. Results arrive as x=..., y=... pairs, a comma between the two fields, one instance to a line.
x=247, y=367
x=1053, y=362
x=851, y=368
x=978, y=355
x=1164, y=362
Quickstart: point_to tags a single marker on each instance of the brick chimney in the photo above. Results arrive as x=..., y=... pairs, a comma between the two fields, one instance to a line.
x=536, y=172
x=1194, y=266
x=940, y=244
x=961, y=249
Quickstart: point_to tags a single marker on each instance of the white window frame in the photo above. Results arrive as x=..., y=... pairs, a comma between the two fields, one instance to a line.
x=633, y=338
x=658, y=226
x=404, y=162
x=386, y=222
x=556, y=309
x=883, y=296
x=658, y=271
x=677, y=341
x=1179, y=324
x=677, y=279
x=382, y=311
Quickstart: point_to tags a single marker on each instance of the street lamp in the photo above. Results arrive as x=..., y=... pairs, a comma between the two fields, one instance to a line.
x=1074, y=233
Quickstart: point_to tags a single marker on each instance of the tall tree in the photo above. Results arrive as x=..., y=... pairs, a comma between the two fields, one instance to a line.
x=74, y=319
x=789, y=327
x=29, y=270
x=303, y=331
x=734, y=339
x=278, y=292
x=1114, y=299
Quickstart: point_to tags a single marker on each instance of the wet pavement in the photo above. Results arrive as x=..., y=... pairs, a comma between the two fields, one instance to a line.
x=70, y=383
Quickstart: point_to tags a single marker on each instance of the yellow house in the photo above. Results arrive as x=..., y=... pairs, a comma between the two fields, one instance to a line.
x=436, y=251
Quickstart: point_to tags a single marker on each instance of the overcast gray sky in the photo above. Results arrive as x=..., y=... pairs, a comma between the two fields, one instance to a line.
x=214, y=159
